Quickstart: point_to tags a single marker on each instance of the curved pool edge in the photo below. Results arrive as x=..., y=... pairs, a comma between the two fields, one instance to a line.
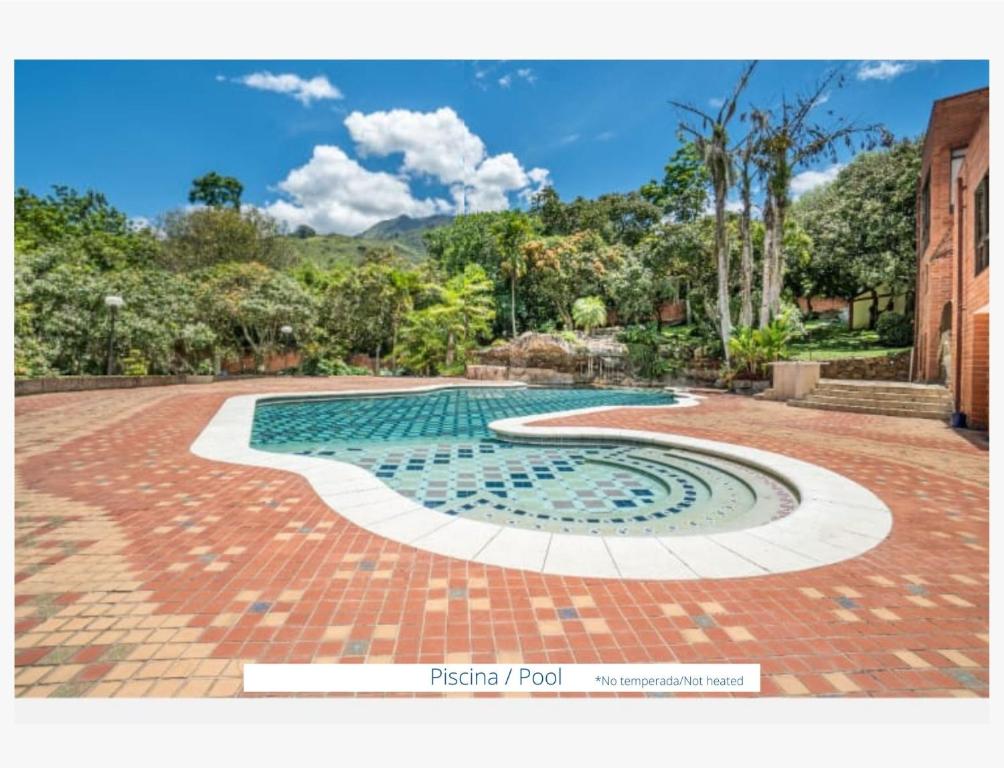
x=820, y=531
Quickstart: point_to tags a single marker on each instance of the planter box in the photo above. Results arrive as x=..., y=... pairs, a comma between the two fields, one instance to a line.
x=794, y=378
x=199, y=378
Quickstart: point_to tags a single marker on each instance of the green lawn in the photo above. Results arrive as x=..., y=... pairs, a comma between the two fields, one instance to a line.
x=828, y=340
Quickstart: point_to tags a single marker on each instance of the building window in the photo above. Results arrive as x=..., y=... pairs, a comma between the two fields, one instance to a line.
x=958, y=155
x=981, y=224
x=925, y=213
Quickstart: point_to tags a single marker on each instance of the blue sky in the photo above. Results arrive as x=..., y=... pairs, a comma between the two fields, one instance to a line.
x=340, y=145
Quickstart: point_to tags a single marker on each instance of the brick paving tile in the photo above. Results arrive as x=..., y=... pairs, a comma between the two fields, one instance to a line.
x=143, y=570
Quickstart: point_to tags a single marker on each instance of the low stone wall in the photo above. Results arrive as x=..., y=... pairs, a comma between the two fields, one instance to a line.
x=83, y=383
x=487, y=372
x=887, y=368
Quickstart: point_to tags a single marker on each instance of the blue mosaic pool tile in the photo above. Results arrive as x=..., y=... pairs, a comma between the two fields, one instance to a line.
x=436, y=449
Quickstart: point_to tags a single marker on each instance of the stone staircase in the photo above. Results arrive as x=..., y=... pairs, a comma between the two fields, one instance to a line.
x=883, y=398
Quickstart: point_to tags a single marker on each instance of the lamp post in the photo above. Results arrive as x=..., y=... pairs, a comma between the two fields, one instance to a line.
x=287, y=333
x=113, y=303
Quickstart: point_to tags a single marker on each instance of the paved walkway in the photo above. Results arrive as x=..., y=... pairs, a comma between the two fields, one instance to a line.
x=142, y=570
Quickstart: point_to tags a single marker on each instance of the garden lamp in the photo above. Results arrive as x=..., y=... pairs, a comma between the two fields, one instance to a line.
x=113, y=303
x=287, y=333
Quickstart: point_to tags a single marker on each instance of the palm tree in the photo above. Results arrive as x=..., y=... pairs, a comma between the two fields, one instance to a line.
x=405, y=283
x=467, y=309
x=510, y=231
x=711, y=139
x=589, y=313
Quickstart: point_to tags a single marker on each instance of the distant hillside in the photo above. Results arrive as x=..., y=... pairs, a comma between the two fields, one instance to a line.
x=406, y=228
x=402, y=235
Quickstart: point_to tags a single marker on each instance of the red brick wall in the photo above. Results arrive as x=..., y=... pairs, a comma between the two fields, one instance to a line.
x=822, y=304
x=974, y=384
x=952, y=125
x=273, y=363
x=673, y=312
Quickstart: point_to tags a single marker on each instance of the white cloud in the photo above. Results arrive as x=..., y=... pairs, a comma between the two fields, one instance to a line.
x=807, y=180
x=716, y=102
x=334, y=193
x=527, y=74
x=492, y=182
x=304, y=91
x=436, y=143
x=605, y=135
x=509, y=78
x=570, y=138
x=882, y=70
x=823, y=98
x=539, y=176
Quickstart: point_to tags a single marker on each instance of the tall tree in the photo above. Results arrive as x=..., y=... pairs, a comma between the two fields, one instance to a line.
x=683, y=192
x=437, y=337
x=511, y=230
x=745, y=231
x=216, y=191
x=246, y=305
x=862, y=228
x=569, y=267
x=207, y=236
x=791, y=137
x=711, y=138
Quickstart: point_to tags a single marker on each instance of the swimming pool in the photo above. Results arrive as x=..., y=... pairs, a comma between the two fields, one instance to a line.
x=437, y=449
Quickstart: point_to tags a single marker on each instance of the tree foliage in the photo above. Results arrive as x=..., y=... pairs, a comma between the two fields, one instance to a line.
x=246, y=304
x=437, y=337
x=205, y=237
x=683, y=192
x=219, y=280
x=216, y=191
x=861, y=226
x=589, y=313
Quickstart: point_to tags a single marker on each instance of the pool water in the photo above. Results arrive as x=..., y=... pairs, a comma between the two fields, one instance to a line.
x=436, y=448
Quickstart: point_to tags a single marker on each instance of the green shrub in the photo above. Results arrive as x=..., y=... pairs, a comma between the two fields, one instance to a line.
x=332, y=366
x=649, y=356
x=134, y=364
x=894, y=330
x=791, y=316
x=570, y=336
x=753, y=349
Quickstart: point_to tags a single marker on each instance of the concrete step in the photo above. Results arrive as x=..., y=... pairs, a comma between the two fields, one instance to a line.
x=897, y=387
x=882, y=395
x=874, y=410
x=870, y=402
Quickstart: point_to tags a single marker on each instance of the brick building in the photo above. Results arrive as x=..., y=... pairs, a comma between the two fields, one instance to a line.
x=952, y=313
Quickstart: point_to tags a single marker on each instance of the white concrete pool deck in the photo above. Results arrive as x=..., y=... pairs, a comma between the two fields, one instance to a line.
x=836, y=519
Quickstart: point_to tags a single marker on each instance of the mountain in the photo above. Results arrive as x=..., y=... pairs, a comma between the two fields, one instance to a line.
x=404, y=226
x=402, y=235
x=406, y=229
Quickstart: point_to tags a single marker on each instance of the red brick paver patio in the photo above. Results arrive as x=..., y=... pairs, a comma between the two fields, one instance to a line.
x=143, y=570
